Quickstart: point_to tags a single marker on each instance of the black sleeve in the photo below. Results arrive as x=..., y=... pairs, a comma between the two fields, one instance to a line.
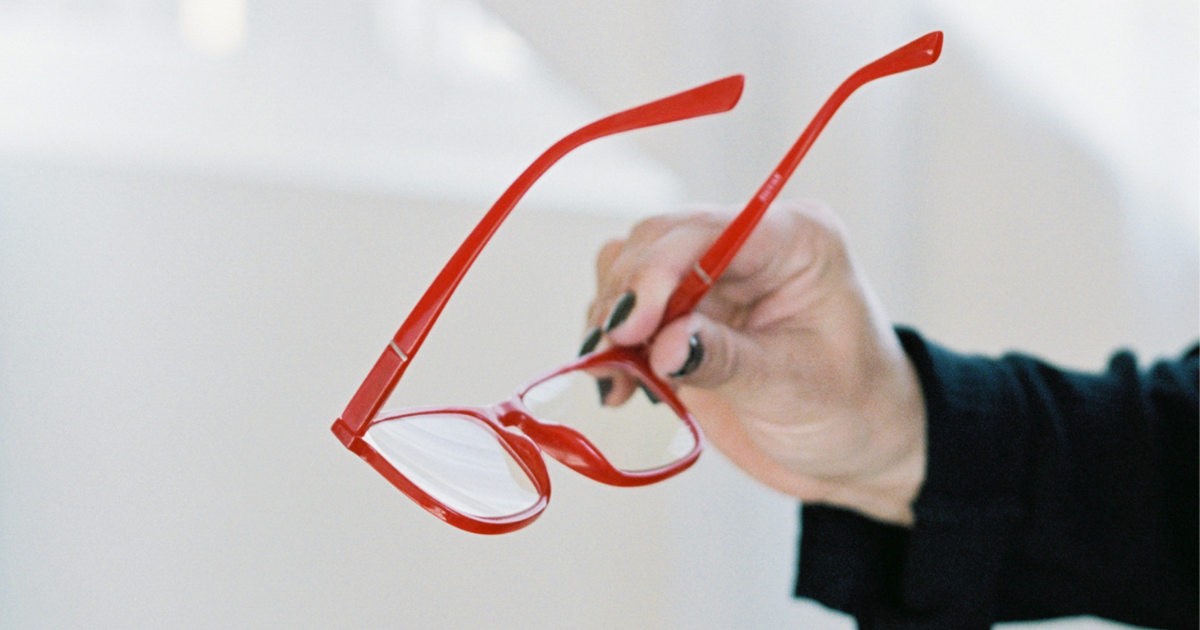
x=1048, y=493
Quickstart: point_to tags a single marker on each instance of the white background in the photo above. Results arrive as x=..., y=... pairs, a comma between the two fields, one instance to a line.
x=204, y=244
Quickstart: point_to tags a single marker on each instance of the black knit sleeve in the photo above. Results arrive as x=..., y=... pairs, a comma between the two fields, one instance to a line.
x=1048, y=493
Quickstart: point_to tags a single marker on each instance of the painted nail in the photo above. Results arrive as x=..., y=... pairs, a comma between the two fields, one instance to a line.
x=605, y=386
x=694, y=358
x=649, y=394
x=621, y=311
x=589, y=344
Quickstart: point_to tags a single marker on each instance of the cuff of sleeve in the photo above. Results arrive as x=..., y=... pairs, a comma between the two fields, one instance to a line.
x=943, y=571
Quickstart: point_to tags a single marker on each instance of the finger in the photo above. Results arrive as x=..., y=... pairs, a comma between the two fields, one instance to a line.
x=608, y=254
x=619, y=388
x=650, y=276
x=780, y=269
x=697, y=351
x=784, y=245
x=592, y=341
x=606, y=257
x=617, y=257
x=613, y=386
x=599, y=307
x=637, y=277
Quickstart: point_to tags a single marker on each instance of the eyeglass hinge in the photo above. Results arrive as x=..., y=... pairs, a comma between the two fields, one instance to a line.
x=702, y=273
x=398, y=351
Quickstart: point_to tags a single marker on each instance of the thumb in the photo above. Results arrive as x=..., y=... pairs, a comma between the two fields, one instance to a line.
x=697, y=351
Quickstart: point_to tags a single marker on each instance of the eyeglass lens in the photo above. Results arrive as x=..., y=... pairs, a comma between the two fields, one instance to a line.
x=635, y=435
x=456, y=460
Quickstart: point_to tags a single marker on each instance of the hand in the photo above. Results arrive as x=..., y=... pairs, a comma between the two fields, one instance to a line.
x=789, y=364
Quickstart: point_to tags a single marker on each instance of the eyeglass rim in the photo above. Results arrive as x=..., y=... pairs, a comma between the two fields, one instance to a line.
x=568, y=446
x=599, y=468
x=521, y=448
x=536, y=438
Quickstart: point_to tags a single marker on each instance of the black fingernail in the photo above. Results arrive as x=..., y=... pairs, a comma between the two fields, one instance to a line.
x=694, y=357
x=621, y=311
x=649, y=394
x=605, y=386
x=589, y=344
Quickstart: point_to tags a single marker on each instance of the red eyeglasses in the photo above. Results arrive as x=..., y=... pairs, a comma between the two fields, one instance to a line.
x=481, y=468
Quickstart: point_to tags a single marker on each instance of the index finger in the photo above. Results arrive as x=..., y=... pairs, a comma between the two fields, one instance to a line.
x=651, y=271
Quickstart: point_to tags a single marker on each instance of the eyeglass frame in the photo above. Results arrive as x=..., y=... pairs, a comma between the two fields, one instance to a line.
x=562, y=443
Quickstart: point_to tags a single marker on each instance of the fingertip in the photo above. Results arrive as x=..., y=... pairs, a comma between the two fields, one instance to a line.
x=619, y=389
x=654, y=400
x=636, y=316
x=670, y=348
x=695, y=356
x=699, y=352
x=590, y=341
x=605, y=386
x=620, y=311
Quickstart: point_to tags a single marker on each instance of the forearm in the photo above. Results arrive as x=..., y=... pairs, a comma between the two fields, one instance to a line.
x=1048, y=493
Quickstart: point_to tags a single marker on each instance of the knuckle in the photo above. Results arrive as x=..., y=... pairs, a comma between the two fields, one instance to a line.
x=708, y=214
x=596, y=312
x=651, y=228
x=609, y=253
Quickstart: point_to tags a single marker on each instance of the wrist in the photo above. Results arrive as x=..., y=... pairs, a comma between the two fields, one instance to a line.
x=892, y=467
x=887, y=496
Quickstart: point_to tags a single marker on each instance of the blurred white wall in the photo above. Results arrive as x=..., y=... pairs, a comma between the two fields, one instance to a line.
x=201, y=255
x=1054, y=141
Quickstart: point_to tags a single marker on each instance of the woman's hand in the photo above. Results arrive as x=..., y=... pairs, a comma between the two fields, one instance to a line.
x=789, y=364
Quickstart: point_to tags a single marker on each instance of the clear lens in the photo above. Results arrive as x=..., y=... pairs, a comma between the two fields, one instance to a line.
x=457, y=460
x=636, y=435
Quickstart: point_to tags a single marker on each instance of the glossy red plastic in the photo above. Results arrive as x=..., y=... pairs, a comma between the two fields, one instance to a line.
x=918, y=53
x=560, y=442
x=531, y=437
x=574, y=450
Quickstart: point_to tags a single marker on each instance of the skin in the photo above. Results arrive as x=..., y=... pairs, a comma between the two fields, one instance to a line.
x=803, y=383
